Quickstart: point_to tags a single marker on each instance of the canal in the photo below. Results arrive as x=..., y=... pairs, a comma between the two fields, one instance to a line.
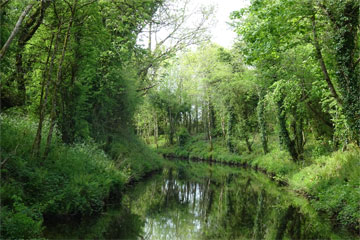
x=199, y=201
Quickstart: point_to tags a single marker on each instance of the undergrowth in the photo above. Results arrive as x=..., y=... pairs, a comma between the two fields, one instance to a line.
x=73, y=180
x=331, y=180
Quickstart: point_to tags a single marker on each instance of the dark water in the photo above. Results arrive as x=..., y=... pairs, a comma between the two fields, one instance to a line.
x=198, y=201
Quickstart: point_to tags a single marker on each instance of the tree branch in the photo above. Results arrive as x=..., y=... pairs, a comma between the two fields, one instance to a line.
x=322, y=63
x=6, y=159
x=88, y=3
x=4, y=3
x=356, y=62
x=33, y=23
x=15, y=30
x=329, y=14
x=146, y=88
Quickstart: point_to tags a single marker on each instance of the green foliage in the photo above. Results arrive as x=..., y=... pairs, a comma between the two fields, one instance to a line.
x=20, y=221
x=334, y=181
x=276, y=162
x=72, y=180
x=133, y=156
x=183, y=136
x=331, y=181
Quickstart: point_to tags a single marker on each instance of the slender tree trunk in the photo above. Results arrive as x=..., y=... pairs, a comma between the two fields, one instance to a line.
x=58, y=82
x=297, y=128
x=209, y=124
x=171, y=127
x=223, y=127
x=284, y=134
x=15, y=30
x=196, y=121
x=322, y=63
x=262, y=123
x=230, y=126
x=156, y=130
x=190, y=122
x=27, y=32
x=44, y=99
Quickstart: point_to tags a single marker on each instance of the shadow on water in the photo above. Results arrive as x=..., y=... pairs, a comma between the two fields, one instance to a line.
x=198, y=201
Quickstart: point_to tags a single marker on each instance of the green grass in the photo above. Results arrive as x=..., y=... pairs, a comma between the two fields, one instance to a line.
x=133, y=156
x=72, y=180
x=331, y=180
x=334, y=181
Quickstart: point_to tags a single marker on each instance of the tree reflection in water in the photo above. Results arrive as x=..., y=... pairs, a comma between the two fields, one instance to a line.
x=197, y=201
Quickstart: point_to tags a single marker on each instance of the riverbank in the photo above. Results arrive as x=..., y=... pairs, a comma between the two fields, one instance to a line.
x=330, y=181
x=74, y=180
x=195, y=200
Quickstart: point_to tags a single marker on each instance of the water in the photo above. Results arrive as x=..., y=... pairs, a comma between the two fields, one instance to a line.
x=198, y=201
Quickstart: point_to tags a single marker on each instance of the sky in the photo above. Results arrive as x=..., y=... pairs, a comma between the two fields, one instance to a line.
x=222, y=33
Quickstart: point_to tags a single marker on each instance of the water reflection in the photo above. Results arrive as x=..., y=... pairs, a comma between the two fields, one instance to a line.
x=210, y=203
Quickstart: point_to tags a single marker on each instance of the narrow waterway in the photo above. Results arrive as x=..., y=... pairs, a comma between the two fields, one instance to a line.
x=199, y=201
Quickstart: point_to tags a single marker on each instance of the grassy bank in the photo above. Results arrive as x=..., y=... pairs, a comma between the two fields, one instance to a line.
x=330, y=180
x=72, y=180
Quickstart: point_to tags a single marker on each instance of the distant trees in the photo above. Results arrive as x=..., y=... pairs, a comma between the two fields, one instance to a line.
x=207, y=91
x=294, y=71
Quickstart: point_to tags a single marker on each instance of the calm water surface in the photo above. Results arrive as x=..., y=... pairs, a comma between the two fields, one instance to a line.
x=198, y=201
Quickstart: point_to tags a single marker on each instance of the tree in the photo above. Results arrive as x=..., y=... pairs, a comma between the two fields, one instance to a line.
x=274, y=27
x=168, y=32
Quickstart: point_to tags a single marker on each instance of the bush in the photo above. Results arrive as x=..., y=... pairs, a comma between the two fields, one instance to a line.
x=72, y=180
x=334, y=182
x=183, y=136
x=20, y=221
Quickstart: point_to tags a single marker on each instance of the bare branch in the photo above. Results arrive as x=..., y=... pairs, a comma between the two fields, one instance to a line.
x=146, y=88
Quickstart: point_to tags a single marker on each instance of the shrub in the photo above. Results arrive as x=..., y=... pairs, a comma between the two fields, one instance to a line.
x=20, y=221
x=73, y=180
x=183, y=136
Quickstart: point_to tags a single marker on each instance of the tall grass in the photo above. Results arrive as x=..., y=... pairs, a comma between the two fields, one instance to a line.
x=72, y=180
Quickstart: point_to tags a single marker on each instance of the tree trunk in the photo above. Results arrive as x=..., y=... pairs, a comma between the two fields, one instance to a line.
x=58, y=82
x=209, y=124
x=284, y=134
x=223, y=127
x=322, y=63
x=190, y=122
x=262, y=123
x=171, y=128
x=230, y=129
x=44, y=99
x=27, y=32
x=156, y=130
x=196, y=120
x=15, y=30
